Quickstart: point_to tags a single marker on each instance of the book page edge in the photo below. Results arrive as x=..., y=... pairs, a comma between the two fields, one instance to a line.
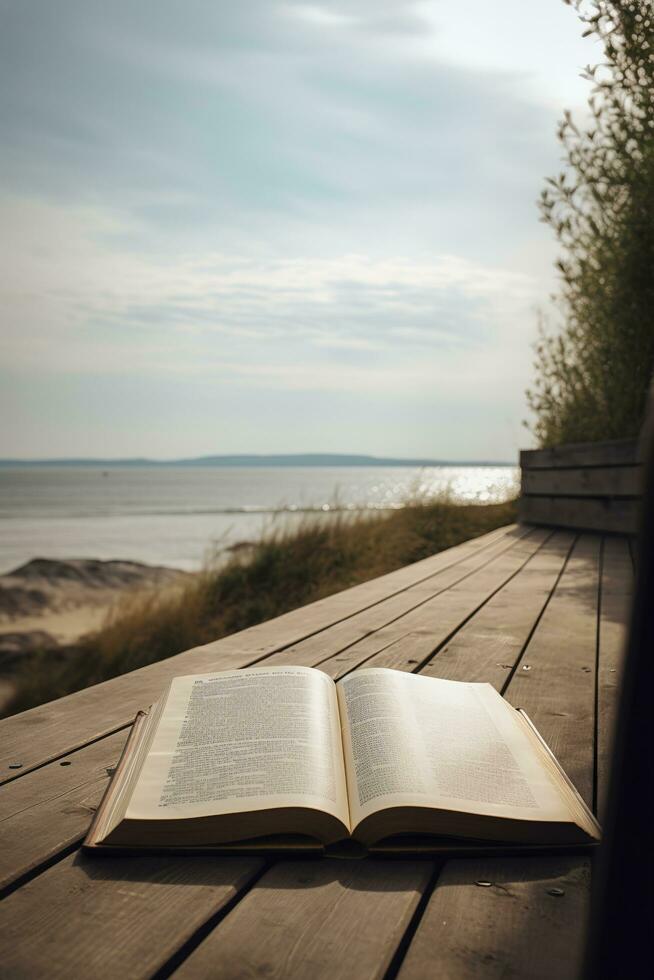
x=94, y=835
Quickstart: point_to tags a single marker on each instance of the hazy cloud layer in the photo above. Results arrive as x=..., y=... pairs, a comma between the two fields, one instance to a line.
x=314, y=223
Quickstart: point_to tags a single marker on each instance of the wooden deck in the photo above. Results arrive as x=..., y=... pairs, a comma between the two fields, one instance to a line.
x=538, y=613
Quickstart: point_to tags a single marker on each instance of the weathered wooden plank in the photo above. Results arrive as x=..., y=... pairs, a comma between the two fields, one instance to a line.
x=487, y=648
x=597, y=481
x=319, y=919
x=370, y=952
x=533, y=937
x=555, y=682
x=363, y=955
x=49, y=731
x=519, y=925
x=615, y=599
x=49, y=810
x=45, y=776
x=595, y=514
x=331, y=642
x=313, y=947
x=120, y=917
x=56, y=802
x=407, y=643
x=71, y=820
x=619, y=452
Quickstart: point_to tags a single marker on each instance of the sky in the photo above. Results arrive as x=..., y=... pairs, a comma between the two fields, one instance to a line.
x=276, y=227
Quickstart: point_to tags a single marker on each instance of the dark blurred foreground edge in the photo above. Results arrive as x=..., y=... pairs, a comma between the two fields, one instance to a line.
x=621, y=936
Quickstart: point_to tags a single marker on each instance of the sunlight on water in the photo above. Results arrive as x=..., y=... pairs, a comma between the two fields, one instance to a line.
x=177, y=515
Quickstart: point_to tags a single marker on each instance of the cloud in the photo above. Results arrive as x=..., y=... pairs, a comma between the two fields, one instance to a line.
x=90, y=299
x=193, y=119
x=326, y=196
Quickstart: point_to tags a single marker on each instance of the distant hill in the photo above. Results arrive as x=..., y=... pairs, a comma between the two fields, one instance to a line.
x=294, y=459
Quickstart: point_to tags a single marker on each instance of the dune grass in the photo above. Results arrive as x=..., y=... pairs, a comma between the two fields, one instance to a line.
x=287, y=568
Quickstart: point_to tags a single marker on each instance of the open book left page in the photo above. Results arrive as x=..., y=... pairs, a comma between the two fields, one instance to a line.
x=230, y=751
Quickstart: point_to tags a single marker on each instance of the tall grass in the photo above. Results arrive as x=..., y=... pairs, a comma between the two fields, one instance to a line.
x=284, y=570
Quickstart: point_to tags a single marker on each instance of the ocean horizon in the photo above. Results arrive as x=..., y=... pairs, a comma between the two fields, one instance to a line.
x=247, y=460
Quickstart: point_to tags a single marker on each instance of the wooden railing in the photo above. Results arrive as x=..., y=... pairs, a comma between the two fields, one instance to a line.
x=590, y=486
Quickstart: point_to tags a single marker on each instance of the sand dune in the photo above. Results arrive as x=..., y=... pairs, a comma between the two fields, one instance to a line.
x=47, y=604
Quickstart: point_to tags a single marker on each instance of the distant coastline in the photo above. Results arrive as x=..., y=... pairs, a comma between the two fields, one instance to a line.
x=245, y=460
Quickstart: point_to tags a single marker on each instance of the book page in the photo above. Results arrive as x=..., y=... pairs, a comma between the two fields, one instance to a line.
x=244, y=740
x=421, y=741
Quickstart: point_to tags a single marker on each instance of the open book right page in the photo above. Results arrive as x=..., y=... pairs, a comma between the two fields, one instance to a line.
x=421, y=741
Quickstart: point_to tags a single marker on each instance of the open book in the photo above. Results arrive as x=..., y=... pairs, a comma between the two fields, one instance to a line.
x=282, y=757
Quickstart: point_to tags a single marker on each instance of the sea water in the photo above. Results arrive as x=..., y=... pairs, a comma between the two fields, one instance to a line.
x=183, y=516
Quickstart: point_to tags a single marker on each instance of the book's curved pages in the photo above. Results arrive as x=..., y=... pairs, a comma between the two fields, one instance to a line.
x=282, y=759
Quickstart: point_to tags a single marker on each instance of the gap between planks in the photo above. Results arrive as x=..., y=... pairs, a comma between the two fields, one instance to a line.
x=313, y=952
x=521, y=558
x=55, y=810
x=375, y=956
x=518, y=925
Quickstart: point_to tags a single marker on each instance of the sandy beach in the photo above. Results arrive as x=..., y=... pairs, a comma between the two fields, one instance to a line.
x=46, y=605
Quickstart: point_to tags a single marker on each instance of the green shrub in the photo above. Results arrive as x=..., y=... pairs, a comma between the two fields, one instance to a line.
x=593, y=376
